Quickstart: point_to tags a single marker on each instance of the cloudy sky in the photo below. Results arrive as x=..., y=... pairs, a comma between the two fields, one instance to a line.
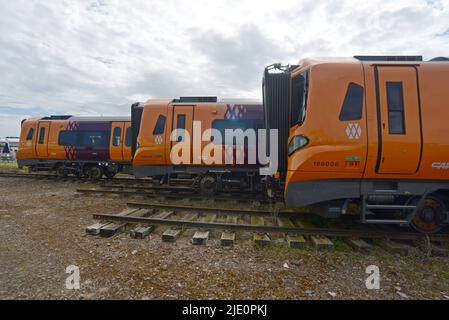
x=96, y=57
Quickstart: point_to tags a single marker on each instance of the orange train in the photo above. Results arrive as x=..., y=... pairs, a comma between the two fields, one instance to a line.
x=362, y=135
x=364, y=132
x=154, y=122
x=83, y=146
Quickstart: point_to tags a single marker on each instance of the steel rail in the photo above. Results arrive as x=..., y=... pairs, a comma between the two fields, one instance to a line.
x=224, y=211
x=342, y=233
x=171, y=188
x=149, y=187
x=54, y=176
x=174, y=193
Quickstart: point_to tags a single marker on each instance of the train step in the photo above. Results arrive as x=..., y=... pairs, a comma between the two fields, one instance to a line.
x=370, y=211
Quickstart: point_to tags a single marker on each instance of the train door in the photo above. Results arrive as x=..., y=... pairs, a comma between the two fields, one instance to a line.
x=43, y=131
x=127, y=142
x=117, y=141
x=183, y=119
x=399, y=120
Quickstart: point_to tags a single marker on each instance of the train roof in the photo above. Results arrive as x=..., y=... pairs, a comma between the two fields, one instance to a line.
x=84, y=118
x=241, y=101
x=418, y=60
x=205, y=100
x=111, y=118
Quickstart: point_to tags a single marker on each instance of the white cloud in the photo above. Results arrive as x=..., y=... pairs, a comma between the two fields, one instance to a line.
x=97, y=57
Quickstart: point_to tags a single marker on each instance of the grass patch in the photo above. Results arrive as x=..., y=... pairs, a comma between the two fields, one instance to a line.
x=8, y=165
x=339, y=244
x=440, y=268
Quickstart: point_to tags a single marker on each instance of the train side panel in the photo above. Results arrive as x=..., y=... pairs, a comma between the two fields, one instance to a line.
x=153, y=155
x=434, y=93
x=407, y=155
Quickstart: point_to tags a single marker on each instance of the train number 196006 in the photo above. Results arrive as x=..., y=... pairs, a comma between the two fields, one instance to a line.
x=326, y=163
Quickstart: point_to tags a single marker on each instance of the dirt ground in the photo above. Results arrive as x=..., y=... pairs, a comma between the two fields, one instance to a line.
x=42, y=232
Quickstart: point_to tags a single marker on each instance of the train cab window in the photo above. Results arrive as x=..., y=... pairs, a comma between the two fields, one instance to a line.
x=299, y=98
x=30, y=134
x=128, y=137
x=116, y=136
x=395, y=102
x=160, y=125
x=352, y=107
x=41, y=136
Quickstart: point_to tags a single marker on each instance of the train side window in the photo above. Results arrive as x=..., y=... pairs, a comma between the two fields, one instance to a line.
x=128, y=137
x=160, y=125
x=30, y=134
x=395, y=102
x=68, y=138
x=41, y=135
x=181, y=124
x=232, y=124
x=181, y=121
x=116, y=136
x=352, y=108
x=94, y=138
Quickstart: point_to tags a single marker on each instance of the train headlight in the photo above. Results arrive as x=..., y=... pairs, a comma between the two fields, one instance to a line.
x=297, y=143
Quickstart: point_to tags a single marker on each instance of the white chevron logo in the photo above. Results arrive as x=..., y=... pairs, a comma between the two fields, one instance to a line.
x=353, y=131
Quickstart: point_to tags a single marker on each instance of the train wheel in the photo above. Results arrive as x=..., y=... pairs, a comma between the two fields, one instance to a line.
x=109, y=174
x=95, y=172
x=429, y=216
x=208, y=185
x=79, y=174
x=61, y=172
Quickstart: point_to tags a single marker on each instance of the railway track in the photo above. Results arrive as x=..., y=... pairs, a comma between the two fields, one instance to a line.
x=50, y=176
x=172, y=192
x=140, y=187
x=142, y=218
x=262, y=223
